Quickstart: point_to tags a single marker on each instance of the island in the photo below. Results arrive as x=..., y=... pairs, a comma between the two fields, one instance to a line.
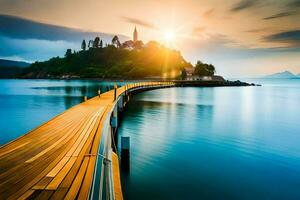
x=130, y=60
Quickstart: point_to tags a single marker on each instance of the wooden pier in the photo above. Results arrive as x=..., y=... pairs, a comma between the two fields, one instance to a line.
x=70, y=156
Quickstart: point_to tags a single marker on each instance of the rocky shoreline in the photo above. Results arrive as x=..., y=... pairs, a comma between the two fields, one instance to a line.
x=237, y=83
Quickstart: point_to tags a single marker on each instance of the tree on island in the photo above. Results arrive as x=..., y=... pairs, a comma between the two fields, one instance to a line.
x=83, y=45
x=115, y=41
x=68, y=53
x=183, y=74
x=151, y=60
x=203, y=69
x=91, y=42
x=96, y=42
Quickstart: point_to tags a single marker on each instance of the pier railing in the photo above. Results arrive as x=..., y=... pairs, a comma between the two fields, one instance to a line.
x=106, y=181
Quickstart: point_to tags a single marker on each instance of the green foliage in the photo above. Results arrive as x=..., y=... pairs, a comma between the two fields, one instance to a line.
x=83, y=45
x=111, y=62
x=183, y=74
x=96, y=42
x=203, y=69
x=68, y=53
x=9, y=72
x=115, y=41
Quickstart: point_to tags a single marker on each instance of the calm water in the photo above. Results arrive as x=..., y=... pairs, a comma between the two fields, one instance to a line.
x=214, y=143
x=186, y=143
x=25, y=104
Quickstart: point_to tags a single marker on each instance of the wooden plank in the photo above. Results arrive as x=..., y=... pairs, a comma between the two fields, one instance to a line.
x=13, y=149
x=61, y=175
x=87, y=181
x=41, y=185
x=83, y=135
x=30, y=179
x=73, y=191
x=26, y=195
x=44, y=195
x=52, y=146
x=58, y=167
x=79, y=147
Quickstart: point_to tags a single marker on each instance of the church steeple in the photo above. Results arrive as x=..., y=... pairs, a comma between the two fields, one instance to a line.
x=135, y=35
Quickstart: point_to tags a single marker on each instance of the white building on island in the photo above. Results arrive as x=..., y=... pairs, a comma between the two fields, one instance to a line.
x=191, y=76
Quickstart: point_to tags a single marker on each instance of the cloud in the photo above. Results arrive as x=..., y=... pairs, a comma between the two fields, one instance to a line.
x=32, y=49
x=292, y=38
x=208, y=13
x=259, y=30
x=279, y=15
x=244, y=4
x=21, y=28
x=198, y=30
x=294, y=3
x=31, y=40
x=139, y=22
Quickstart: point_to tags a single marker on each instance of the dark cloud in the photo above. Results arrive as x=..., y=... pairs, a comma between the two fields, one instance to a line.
x=20, y=28
x=30, y=40
x=279, y=15
x=139, y=22
x=288, y=37
x=294, y=3
x=244, y=4
x=222, y=40
x=258, y=30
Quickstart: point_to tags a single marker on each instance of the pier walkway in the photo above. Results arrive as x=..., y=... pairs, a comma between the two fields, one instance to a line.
x=70, y=156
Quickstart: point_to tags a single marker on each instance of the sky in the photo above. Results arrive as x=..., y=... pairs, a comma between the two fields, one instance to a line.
x=242, y=38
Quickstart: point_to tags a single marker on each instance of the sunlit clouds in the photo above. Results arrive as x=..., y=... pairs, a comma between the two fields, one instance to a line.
x=236, y=35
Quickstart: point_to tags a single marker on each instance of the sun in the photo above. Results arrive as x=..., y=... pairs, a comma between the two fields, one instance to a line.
x=169, y=36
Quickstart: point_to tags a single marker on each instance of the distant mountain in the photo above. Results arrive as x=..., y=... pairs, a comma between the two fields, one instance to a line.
x=12, y=63
x=283, y=75
x=11, y=68
x=298, y=75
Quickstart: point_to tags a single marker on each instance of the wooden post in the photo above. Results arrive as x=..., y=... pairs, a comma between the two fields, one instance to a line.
x=85, y=98
x=115, y=93
x=99, y=93
x=125, y=152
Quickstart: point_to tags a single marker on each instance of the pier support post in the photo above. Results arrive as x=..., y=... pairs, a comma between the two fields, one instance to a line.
x=115, y=92
x=121, y=103
x=114, y=117
x=125, y=152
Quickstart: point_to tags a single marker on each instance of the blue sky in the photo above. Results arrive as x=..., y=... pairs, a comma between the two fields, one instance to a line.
x=240, y=37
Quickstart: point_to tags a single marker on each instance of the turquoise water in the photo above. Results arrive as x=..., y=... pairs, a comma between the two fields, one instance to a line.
x=186, y=143
x=25, y=104
x=214, y=143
